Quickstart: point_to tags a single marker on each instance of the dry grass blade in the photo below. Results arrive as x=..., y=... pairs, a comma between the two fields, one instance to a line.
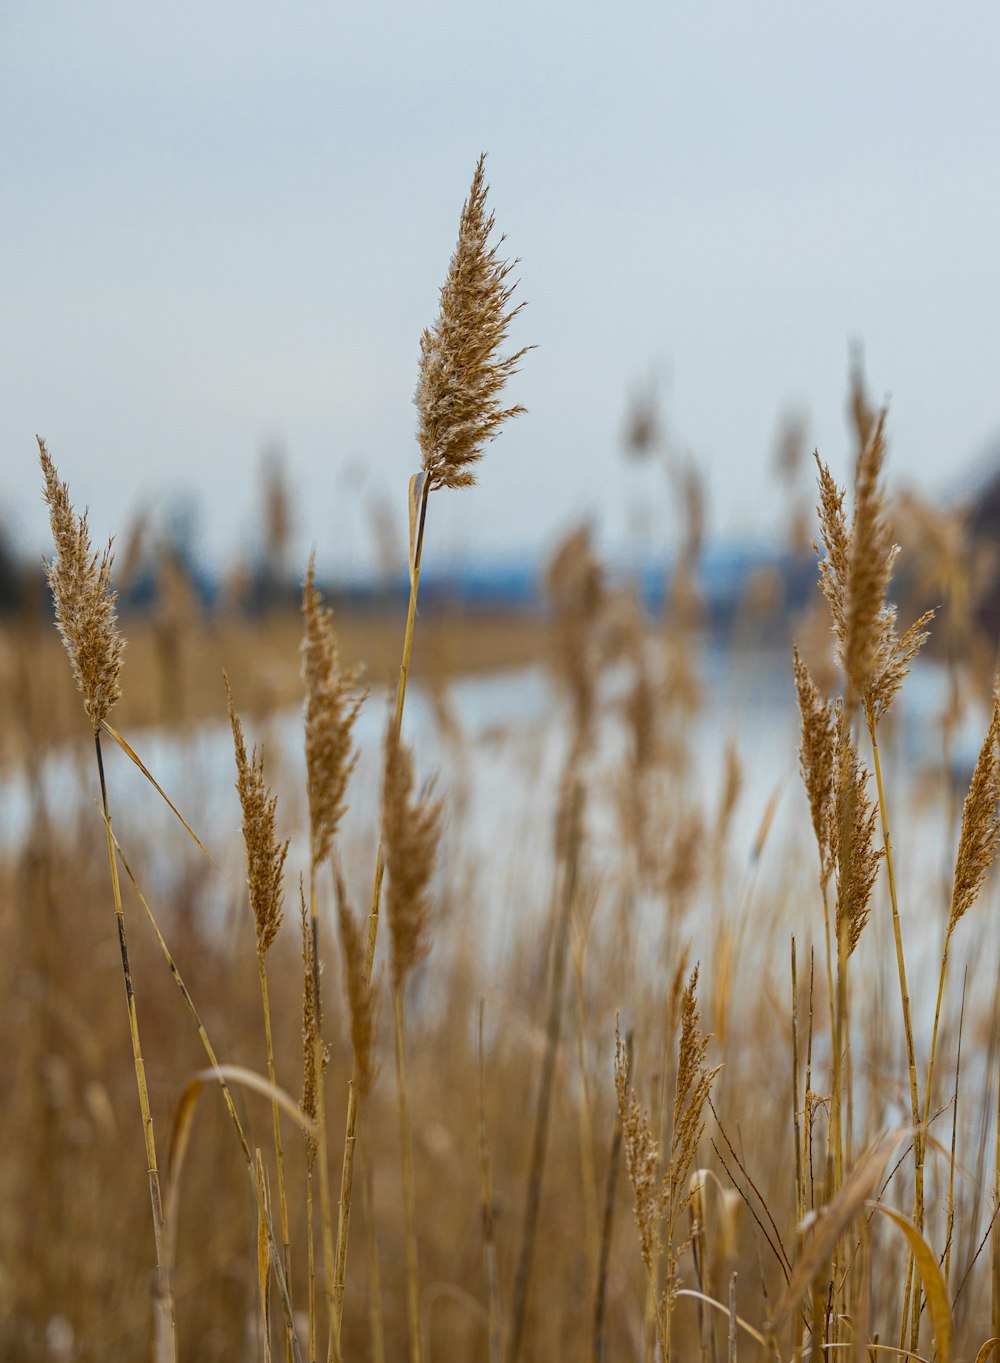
x=934, y=1287
x=833, y=1220
x=720, y=1306
x=461, y=372
x=134, y=757
x=186, y=1107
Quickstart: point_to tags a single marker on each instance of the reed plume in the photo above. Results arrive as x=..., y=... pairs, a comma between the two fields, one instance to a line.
x=265, y=854
x=661, y=1199
x=265, y=869
x=817, y=760
x=978, y=845
x=411, y=828
x=314, y=1056
x=360, y=992
x=332, y=705
x=574, y=585
x=979, y=840
x=852, y=839
x=86, y=619
x=461, y=373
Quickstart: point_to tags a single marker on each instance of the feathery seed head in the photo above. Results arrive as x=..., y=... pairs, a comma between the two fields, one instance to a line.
x=314, y=1053
x=332, y=706
x=871, y=560
x=80, y=581
x=411, y=829
x=361, y=994
x=574, y=583
x=461, y=373
x=853, y=839
x=817, y=759
x=979, y=840
x=855, y=571
x=265, y=855
x=642, y=1157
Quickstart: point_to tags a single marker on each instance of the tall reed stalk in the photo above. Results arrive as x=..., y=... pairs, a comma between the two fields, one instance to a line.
x=411, y=830
x=80, y=580
x=265, y=868
x=461, y=377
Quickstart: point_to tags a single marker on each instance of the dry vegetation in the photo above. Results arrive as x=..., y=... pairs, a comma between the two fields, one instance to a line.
x=701, y=1104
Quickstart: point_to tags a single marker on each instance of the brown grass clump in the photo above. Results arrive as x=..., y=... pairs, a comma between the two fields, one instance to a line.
x=80, y=580
x=461, y=373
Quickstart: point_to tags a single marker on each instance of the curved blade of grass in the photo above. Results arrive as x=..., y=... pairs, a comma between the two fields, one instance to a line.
x=934, y=1288
x=133, y=756
x=710, y=1301
x=180, y=1136
x=853, y=1195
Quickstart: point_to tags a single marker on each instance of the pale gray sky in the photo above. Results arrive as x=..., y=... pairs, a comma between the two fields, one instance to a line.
x=226, y=223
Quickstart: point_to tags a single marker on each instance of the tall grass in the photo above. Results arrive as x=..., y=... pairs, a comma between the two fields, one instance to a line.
x=694, y=1016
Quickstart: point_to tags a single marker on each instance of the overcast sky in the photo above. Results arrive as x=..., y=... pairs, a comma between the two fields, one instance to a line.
x=225, y=224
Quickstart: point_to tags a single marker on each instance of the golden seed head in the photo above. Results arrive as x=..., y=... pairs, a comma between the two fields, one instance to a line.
x=692, y=1090
x=411, y=829
x=642, y=1157
x=574, y=583
x=461, y=373
x=855, y=571
x=80, y=581
x=332, y=706
x=852, y=839
x=265, y=855
x=361, y=995
x=817, y=759
x=979, y=840
x=313, y=1051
